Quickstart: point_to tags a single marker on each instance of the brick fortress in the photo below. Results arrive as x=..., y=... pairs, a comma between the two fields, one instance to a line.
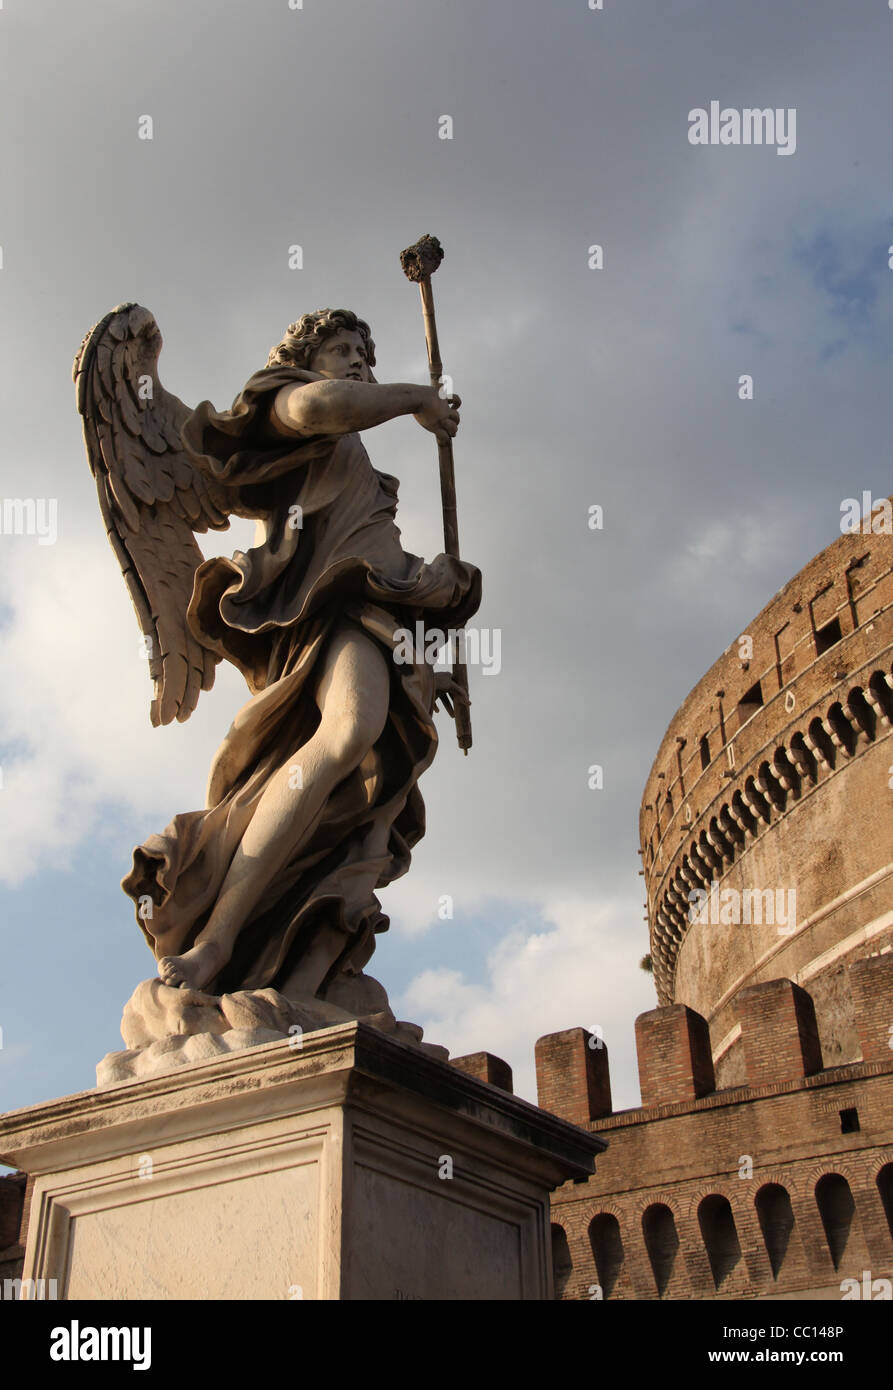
x=760, y=1163
x=775, y=776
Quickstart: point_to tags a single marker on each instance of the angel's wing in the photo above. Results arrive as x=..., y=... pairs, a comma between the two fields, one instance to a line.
x=151, y=497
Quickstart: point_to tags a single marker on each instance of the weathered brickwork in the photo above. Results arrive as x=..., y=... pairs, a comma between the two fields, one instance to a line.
x=14, y=1207
x=674, y=1055
x=572, y=1076
x=770, y=797
x=485, y=1067
x=781, y=1187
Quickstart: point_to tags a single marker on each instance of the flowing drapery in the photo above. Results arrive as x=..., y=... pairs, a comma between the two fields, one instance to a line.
x=332, y=556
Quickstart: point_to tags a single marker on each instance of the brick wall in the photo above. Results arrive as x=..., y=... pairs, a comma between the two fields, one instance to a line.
x=15, y=1195
x=707, y=1193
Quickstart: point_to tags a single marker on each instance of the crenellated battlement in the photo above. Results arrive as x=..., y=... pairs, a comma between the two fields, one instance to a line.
x=781, y=1185
x=778, y=1033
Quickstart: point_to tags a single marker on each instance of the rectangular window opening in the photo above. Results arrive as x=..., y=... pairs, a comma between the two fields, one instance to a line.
x=849, y=1121
x=827, y=636
x=749, y=703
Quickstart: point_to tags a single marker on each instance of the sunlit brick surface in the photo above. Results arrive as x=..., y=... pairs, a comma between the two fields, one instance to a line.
x=777, y=1188
x=774, y=779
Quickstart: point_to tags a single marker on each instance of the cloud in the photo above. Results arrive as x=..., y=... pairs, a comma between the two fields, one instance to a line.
x=733, y=552
x=580, y=969
x=74, y=724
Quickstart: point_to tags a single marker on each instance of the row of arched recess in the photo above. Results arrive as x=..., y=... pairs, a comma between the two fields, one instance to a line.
x=781, y=779
x=719, y=1233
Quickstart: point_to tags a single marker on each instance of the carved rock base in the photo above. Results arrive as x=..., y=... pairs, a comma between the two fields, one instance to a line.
x=165, y=1028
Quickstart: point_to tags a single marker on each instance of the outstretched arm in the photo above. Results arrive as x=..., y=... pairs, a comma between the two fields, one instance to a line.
x=341, y=407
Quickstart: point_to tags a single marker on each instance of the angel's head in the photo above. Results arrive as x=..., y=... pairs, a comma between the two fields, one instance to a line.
x=333, y=342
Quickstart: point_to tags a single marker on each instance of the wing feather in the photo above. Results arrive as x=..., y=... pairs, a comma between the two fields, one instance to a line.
x=128, y=411
x=151, y=498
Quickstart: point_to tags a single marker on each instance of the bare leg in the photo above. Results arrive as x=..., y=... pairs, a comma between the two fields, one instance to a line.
x=353, y=697
x=313, y=966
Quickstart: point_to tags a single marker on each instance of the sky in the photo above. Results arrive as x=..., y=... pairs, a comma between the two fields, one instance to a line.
x=618, y=387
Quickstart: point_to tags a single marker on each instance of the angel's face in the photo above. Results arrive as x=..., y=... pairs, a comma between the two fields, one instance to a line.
x=342, y=357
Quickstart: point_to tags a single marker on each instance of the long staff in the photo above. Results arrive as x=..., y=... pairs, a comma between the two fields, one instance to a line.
x=419, y=263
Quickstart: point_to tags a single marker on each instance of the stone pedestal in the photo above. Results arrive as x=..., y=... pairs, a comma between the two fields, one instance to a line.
x=350, y=1167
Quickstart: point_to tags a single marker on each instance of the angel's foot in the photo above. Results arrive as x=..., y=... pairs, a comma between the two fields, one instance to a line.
x=195, y=968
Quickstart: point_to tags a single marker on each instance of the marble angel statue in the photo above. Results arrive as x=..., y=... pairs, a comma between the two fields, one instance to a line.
x=268, y=893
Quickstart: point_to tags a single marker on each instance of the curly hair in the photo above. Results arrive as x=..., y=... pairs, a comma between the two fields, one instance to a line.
x=304, y=337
